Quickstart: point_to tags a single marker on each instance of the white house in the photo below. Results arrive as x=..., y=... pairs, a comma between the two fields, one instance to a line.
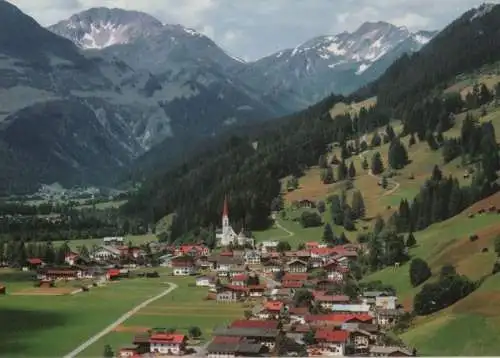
x=205, y=281
x=269, y=246
x=183, y=267
x=164, y=343
x=105, y=253
x=113, y=240
x=386, y=302
x=252, y=257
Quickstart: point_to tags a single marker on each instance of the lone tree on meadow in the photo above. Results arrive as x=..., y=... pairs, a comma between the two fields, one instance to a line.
x=398, y=156
x=328, y=235
x=358, y=205
x=352, y=170
x=377, y=164
x=194, y=332
x=108, y=352
x=410, y=241
x=419, y=272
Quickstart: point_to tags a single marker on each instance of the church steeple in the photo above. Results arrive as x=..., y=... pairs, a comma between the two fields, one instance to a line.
x=225, y=210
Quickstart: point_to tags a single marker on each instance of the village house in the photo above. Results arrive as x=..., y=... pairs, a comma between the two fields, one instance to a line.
x=388, y=351
x=225, y=265
x=298, y=314
x=183, y=266
x=387, y=318
x=370, y=298
x=256, y=334
x=239, y=280
x=314, y=245
x=230, y=347
x=338, y=319
x=128, y=352
x=252, y=257
x=271, y=266
x=166, y=343
x=113, y=241
x=271, y=310
x=206, y=281
x=70, y=258
x=192, y=250
x=280, y=294
x=294, y=280
x=303, y=255
x=256, y=290
x=231, y=294
x=296, y=266
x=327, y=302
x=203, y=263
x=34, y=263
x=106, y=253
x=362, y=340
x=269, y=246
x=335, y=271
x=332, y=341
x=166, y=260
x=387, y=302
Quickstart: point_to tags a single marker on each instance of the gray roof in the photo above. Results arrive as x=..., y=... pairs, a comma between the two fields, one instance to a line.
x=246, y=332
x=389, y=350
x=374, y=293
x=242, y=347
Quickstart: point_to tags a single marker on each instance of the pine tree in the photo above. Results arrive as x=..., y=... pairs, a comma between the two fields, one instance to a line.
x=358, y=205
x=437, y=174
x=348, y=224
x=328, y=235
x=389, y=131
x=485, y=96
x=384, y=182
x=410, y=241
x=365, y=163
x=379, y=225
x=336, y=210
x=376, y=140
x=108, y=352
x=352, y=170
x=377, y=164
x=398, y=156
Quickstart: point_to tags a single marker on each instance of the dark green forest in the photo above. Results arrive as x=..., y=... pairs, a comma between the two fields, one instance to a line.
x=247, y=164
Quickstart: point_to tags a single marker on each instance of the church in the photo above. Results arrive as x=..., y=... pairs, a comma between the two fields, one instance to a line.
x=227, y=235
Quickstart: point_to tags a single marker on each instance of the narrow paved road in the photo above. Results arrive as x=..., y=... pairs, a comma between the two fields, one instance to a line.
x=119, y=321
x=279, y=226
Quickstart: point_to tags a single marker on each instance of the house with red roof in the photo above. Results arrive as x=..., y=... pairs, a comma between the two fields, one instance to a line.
x=338, y=318
x=270, y=310
x=239, y=280
x=167, y=343
x=323, y=252
x=128, y=352
x=333, y=341
x=192, y=250
x=335, y=271
x=294, y=280
x=256, y=290
x=34, y=263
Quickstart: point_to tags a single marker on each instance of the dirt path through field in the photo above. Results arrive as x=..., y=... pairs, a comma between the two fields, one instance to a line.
x=118, y=322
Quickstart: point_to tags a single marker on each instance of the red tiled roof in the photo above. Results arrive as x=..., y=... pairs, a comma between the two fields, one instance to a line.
x=273, y=305
x=240, y=277
x=257, y=287
x=294, y=277
x=182, y=263
x=293, y=284
x=332, y=336
x=166, y=337
x=323, y=251
x=244, y=323
x=300, y=311
x=226, y=340
x=35, y=261
x=338, y=317
x=113, y=272
x=226, y=253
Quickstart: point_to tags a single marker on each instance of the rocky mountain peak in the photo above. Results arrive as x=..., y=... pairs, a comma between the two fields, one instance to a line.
x=101, y=27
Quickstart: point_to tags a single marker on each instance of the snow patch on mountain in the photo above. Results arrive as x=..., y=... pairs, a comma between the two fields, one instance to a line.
x=482, y=10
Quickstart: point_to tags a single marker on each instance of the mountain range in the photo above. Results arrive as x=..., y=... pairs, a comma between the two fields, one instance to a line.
x=88, y=97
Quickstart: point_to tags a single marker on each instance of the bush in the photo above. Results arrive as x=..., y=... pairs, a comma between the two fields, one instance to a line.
x=436, y=296
x=310, y=219
x=419, y=272
x=473, y=238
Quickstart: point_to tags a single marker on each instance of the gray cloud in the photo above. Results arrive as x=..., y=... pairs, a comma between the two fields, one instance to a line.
x=254, y=28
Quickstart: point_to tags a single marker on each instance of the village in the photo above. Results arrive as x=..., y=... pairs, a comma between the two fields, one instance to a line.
x=299, y=302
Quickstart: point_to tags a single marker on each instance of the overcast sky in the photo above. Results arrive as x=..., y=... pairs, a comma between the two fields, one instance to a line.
x=254, y=28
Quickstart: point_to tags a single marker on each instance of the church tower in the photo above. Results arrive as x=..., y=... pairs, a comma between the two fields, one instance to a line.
x=225, y=218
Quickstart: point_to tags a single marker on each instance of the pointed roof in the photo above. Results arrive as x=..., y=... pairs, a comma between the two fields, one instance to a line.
x=225, y=210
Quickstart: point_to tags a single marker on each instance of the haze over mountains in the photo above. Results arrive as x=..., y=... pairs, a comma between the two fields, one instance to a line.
x=81, y=114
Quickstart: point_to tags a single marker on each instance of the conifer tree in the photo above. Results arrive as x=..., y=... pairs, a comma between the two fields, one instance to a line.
x=328, y=235
x=377, y=164
x=358, y=205
x=384, y=182
x=379, y=225
x=410, y=241
x=376, y=140
x=342, y=171
x=352, y=170
x=398, y=156
x=389, y=131
x=365, y=163
x=327, y=176
x=322, y=162
x=336, y=210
